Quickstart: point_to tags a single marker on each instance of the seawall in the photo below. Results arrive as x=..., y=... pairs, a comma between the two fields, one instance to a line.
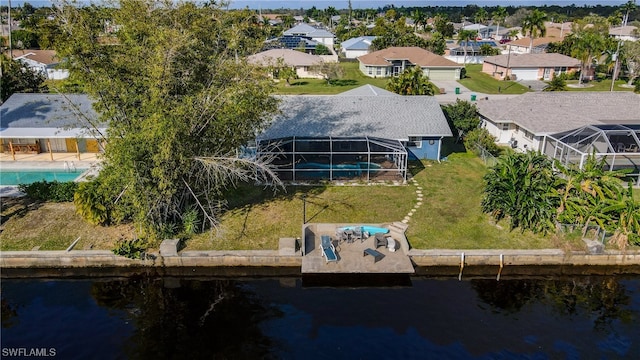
x=103, y=263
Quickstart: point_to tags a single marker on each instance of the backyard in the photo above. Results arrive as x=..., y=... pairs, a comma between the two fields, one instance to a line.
x=351, y=78
x=450, y=216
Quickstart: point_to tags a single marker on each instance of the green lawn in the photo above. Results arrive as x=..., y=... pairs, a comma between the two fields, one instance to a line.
x=450, y=216
x=603, y=85
x=352, y=78
x=478, y=81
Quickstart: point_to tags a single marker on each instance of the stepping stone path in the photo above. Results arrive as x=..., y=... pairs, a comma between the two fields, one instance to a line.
x=419, y=197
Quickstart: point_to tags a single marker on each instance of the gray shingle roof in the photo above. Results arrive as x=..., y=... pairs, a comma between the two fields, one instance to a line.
x=46, y=116
x=533, y=60
x=391, y=117
x=553, y=112
x=357, y=43
x=309, y=30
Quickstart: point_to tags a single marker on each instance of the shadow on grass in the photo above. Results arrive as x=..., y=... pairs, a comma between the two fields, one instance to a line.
x=17, y=207
x=343, y=82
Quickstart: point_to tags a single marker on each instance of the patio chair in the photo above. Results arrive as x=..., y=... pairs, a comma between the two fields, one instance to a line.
x=328, y=250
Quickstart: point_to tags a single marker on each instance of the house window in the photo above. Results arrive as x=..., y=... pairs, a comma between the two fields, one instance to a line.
x=378, y=71
x=528, y=135
x=415, y=141
x=504, y=126
x=369, y=70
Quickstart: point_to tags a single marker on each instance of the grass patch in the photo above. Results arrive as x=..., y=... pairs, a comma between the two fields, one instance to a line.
x=351, y=79
x=53, y=226
x=480, y=82
x=449, y=217
x=598, y=85
x=258, y=218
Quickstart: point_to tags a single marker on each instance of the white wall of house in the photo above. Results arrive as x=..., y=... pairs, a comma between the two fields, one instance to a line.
x=352, y=54
x=303, y=72
x=326, y=41
x=509, y=134
x=57, y=74
x=375, y=71
x=459, y=59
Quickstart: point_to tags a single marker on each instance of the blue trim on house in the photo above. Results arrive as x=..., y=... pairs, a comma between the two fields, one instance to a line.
x=429, y=149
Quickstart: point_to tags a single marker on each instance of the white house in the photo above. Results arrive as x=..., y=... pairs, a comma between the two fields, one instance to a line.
x=394, y=60
x=625, y=33
x=302, y=62
x=43, y=61
x=524, y=121
x=319, y=35
x=355, y=47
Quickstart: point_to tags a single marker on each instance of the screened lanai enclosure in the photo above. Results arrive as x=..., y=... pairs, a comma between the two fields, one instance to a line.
x=619, y=145
x=336, y=158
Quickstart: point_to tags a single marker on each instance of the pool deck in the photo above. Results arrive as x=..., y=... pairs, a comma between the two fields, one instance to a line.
x=351, y=258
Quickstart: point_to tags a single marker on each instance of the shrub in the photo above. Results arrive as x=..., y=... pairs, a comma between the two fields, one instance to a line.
x=482, y=137
x=50, y=191
x=132, y=249
x=91, y=203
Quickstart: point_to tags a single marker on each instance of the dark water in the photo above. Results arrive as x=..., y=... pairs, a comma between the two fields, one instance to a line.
x=147, y=317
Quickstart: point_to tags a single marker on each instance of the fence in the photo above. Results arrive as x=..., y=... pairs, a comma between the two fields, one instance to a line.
x=485, y=155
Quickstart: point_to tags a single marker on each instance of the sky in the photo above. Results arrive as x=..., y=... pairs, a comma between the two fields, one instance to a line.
x=343, y=4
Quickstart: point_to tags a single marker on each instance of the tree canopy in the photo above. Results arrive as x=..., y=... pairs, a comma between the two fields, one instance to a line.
x=16, y=77
x=178, y=101
x=411, y=81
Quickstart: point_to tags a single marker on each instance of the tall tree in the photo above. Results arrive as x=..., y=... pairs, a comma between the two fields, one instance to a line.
x=631, y=52
x=177, y=103
x=16, y=77
x=419, y=18
x=499, y=15
x=465, y=37
x=481, y=16
x=534, y=26
x=630, y=6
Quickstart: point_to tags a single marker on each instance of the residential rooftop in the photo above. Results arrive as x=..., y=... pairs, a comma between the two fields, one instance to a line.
x=533, y=60
x=552, y=112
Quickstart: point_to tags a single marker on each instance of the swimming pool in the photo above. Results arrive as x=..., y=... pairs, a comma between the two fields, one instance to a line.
x=28, y=176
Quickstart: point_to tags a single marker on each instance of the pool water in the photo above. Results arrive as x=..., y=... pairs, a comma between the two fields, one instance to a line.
x=17, y=177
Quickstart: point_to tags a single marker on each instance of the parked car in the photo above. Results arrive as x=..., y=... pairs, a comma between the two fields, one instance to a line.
x=504, y=41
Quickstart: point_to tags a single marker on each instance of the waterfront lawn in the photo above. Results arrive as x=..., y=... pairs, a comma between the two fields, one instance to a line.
x=352, y=78
x=450, y=216
x=478, y=81
x=52, y=226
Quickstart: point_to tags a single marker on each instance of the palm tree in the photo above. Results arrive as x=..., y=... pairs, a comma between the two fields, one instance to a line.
x=499, y=15
x=411, y=82
x=481, y=16
x=627, y=8
x=533, y=25
x=419, y=18
x=587, y=45
x=466, y=36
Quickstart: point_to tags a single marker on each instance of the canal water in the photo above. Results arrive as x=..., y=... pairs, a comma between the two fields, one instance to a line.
x=284, y=318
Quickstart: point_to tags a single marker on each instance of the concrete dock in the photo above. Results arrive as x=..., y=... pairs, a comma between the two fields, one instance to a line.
x=351, y=255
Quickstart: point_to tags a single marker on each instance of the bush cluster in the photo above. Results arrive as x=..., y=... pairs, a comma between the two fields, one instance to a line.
x=50, y=190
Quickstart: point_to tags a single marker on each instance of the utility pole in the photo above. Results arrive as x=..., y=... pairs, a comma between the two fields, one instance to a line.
x=10, y=41
x=615, y=67
x=508, y=61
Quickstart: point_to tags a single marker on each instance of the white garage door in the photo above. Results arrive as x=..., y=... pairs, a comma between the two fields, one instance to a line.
x=525, y=74
x=441, y=74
